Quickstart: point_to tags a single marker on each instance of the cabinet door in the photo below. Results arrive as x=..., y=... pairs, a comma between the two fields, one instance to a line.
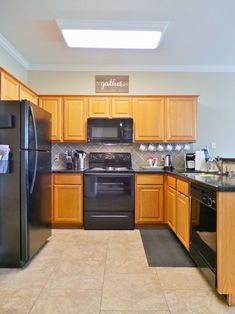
x=121, y=107
x=180, y=119
x=99, y=107
x=148, y=119
x=171, y=208
x=75, y=119
x=26, y=93
x=149, y=204
x=9, y=87
x=67, y=204
x=54, y=106
x=183, y=223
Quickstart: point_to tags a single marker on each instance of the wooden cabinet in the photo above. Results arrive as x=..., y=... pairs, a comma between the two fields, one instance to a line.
x=178, y=208
x=110, y=107
x=54, y=106
x=9, y=87
x=99, y=107
x=171, y=208
x=121, y=107
x=149, y=199
x=148, y=119
x=67, y=200
x=183, y=223
x=180, y=119
x=26, y=93
x=75, y=118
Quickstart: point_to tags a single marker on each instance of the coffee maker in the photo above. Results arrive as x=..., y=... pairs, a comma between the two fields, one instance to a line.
x=168, y=162
x=190, y=161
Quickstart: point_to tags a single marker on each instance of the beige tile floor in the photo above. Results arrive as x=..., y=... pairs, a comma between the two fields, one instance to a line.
x=103, y=272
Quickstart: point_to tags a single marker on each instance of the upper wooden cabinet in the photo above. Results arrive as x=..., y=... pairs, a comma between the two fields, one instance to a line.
x=110, y=107
x=99, y=107
x=9, y=87
x=74, y=118
x=148, y=119
x=54, y=106
x=121, y=107
x=180, y=119
x=26, y=93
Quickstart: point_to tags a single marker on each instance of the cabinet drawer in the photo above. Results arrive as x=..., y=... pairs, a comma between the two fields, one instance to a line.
x=183, y=187
x=171, y=181
x=67, y=179
x=149, y=179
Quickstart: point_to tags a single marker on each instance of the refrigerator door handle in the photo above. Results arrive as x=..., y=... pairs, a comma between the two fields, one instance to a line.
x=36, y=148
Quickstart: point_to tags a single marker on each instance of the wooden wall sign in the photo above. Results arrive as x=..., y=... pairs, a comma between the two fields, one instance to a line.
x=111, y=83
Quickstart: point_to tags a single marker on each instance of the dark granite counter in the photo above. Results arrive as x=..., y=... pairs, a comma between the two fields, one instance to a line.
x=220, y=183
x=67, y=171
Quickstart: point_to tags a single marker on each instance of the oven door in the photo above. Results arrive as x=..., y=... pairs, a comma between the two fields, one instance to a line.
x=203, y=236
x=109, y=201
x=110, y=130
x=109, y=192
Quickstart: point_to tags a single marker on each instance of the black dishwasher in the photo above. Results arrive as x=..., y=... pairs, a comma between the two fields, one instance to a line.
x=203, y=230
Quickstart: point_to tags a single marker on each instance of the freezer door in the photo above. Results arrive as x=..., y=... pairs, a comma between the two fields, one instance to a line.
x=35, y=127
x=36, y=201
x=9, y=186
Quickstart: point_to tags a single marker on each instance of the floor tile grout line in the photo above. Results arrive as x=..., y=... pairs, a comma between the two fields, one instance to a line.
x=102, y=289
x=156, y=274
x=41, y=290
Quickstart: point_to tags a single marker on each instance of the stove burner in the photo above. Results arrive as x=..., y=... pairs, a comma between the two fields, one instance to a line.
x=110, y=169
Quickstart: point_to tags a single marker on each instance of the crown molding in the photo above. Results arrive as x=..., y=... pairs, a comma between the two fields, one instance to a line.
x=5, y=44
x=130, y=68
x=8, y=47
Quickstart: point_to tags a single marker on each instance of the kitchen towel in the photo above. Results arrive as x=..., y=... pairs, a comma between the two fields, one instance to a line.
x=4, y=158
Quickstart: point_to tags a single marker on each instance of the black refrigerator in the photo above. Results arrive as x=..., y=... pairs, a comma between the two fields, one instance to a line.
x=25, y=184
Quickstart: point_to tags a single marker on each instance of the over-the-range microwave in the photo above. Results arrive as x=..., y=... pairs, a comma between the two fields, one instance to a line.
x=110, y=131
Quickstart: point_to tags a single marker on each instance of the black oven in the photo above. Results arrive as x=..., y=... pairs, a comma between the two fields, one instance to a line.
x=109, y=200
x=203, y=230
x=109, y=130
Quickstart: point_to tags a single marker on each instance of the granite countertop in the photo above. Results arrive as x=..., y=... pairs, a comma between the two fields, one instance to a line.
x=220, y=183
x=67, y=171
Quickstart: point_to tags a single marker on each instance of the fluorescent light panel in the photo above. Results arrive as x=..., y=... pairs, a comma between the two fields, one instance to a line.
x=114, y=39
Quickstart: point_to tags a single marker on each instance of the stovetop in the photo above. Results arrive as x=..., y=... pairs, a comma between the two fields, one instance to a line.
x=110, y=162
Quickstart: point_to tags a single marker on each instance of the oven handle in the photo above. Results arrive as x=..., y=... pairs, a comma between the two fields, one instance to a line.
x=111, y=175
x=109, y=216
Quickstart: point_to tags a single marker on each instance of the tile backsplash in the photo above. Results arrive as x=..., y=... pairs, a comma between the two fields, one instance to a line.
x=138, y=157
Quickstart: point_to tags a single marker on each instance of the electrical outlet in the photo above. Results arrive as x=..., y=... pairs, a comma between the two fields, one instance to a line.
x=57, y=158
x=162, y=157
x=213, y=145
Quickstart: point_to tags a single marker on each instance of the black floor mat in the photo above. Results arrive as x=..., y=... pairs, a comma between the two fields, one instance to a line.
x=163, y=249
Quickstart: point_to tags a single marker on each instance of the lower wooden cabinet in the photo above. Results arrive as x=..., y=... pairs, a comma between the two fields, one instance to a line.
x=149, y=199
x=67, y=200
x=171, y=207
x=182, y=218
x=178, y=209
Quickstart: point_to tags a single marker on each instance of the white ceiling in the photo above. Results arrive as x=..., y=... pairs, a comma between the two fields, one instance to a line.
x=200, y=35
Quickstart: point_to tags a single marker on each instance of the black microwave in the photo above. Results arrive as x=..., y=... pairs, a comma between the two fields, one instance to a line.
x=110, y=131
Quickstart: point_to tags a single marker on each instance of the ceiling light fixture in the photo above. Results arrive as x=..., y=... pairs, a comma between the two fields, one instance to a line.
x=114, y=39
x=111, y=34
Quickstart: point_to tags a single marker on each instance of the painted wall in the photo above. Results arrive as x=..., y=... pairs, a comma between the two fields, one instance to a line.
x=216, y=108
x=12, y=66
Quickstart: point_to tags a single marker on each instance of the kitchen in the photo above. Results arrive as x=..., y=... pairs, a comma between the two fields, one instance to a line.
x=215, y=90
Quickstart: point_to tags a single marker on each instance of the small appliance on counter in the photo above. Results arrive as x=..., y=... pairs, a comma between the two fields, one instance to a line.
x=168, y=162
x=190, y=161
x=200, y=160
